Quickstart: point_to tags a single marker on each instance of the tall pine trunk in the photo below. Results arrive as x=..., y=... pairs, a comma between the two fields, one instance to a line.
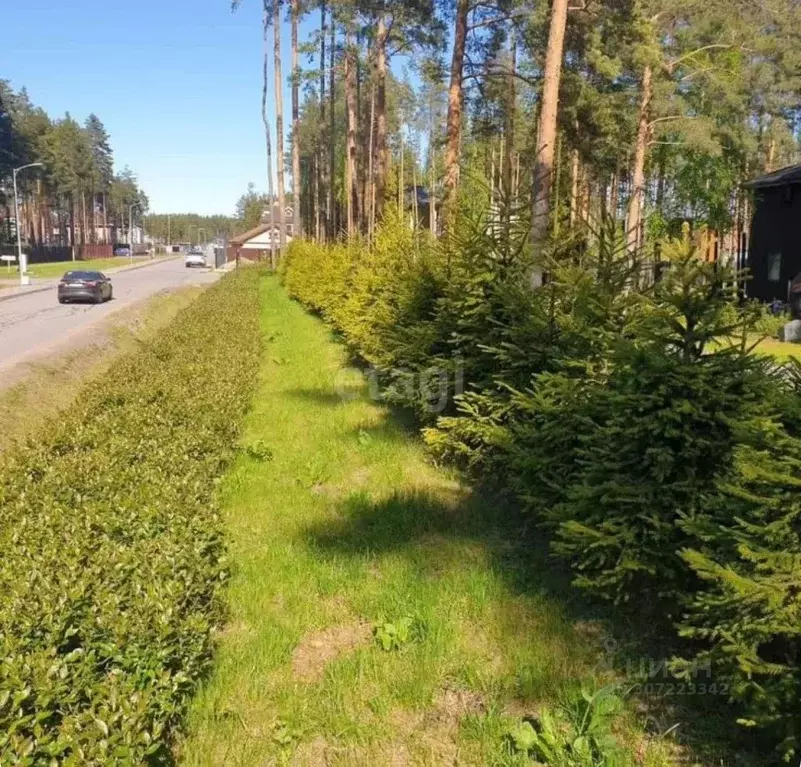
x=318, y=229
x=546, y=139
x=72, y=224
x=321, y=186
x=371, y=163
x=332, y=127
x=453, y=137
x=381, y=159
x=637, y=200
x=574, y=186
x=361, y=164
x=351, y=181
x=297, y=224
x=93, y=237
x=84, y=221
x=509, y=135
x=279, y=123
x=432, y=171
x=265, y=120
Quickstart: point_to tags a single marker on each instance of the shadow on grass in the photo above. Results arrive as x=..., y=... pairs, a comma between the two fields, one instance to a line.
x=326, y=398
x=519, y=552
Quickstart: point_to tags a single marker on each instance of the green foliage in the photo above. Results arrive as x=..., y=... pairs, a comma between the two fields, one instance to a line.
x=189, y=227
x=631, y=419
x=259, y=451
x=578, y=734
x=113, y=553
x=393, y=636
x=249, y=208
x=746, y=550
x=78, y=167
x=664, y=426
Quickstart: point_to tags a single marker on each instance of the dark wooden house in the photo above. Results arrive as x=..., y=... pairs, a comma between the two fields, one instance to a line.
x=774, y=253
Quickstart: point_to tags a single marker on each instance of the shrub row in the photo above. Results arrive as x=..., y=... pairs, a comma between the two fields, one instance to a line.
x=632, y=419
x=112, y=546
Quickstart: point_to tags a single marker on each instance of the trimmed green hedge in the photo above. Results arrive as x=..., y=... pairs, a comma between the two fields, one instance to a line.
x=112, y=546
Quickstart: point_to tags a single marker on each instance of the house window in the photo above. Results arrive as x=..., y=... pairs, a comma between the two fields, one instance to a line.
x=774, y=267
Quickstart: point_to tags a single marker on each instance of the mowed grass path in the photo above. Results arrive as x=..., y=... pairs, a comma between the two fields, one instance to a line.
x=338, y=523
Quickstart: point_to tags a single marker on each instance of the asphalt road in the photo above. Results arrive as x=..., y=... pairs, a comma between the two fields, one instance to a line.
x=33, y=324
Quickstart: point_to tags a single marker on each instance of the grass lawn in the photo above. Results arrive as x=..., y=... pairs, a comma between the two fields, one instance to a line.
x=338, y=525
x=779, y=349
x=57, y=268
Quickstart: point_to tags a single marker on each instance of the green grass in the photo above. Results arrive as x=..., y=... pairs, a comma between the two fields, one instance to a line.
x=782, y=350
x=339, y=524
x=57, y=268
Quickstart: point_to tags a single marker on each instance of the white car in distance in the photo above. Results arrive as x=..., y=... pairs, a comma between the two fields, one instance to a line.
x=195, y=258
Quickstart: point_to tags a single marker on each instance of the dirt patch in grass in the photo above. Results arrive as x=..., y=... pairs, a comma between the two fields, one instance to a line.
x=452, y=705
x=313, y=754
x=432, y=734
x=321, y=753
x=318, y=649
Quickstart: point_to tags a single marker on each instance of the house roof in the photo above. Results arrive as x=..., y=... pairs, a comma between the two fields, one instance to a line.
x=241, y=239
x=782, y=177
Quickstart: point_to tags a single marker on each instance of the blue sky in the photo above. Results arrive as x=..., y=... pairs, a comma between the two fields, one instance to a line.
x=176, y=82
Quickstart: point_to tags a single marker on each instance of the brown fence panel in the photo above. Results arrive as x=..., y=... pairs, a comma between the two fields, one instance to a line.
x=91, y=252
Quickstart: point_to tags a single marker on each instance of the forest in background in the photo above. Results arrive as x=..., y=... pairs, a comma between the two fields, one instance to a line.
x=651, y=112
x=76, y=197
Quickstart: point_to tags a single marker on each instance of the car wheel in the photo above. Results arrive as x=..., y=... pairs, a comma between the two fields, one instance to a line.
x=62, y=300
x=110, y=295
x=98, y=298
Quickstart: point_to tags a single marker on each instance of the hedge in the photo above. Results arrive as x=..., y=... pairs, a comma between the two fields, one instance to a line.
x=112, y=546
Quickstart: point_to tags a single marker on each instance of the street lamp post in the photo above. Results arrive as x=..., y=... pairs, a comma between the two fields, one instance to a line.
x=130, y=229
x=22, y=262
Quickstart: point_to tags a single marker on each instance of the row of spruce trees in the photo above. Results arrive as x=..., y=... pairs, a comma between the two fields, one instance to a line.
x=632, y=418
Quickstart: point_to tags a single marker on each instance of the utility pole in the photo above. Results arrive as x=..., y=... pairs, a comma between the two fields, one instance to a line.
x=130, y=229
x=22, y=261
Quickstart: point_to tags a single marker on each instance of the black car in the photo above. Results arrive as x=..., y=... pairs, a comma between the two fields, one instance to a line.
x=84, y=286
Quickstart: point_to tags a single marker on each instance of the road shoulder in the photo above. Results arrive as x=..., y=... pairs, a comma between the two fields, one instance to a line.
x=34, y=391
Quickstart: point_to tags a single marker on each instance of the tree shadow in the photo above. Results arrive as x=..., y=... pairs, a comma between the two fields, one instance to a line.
x=323, y=397
x=518, y=551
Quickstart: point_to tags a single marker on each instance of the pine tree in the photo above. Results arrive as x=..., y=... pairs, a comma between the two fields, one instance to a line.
x=665, y=427
x=745, y=548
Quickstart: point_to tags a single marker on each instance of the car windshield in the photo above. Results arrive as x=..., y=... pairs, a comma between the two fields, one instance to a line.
x=82, y=276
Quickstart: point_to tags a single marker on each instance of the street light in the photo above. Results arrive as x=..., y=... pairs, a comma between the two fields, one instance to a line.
x=22, y=261
x=130, y=228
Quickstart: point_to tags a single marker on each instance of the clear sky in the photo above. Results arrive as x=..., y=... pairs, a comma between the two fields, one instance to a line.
x=177, y=84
